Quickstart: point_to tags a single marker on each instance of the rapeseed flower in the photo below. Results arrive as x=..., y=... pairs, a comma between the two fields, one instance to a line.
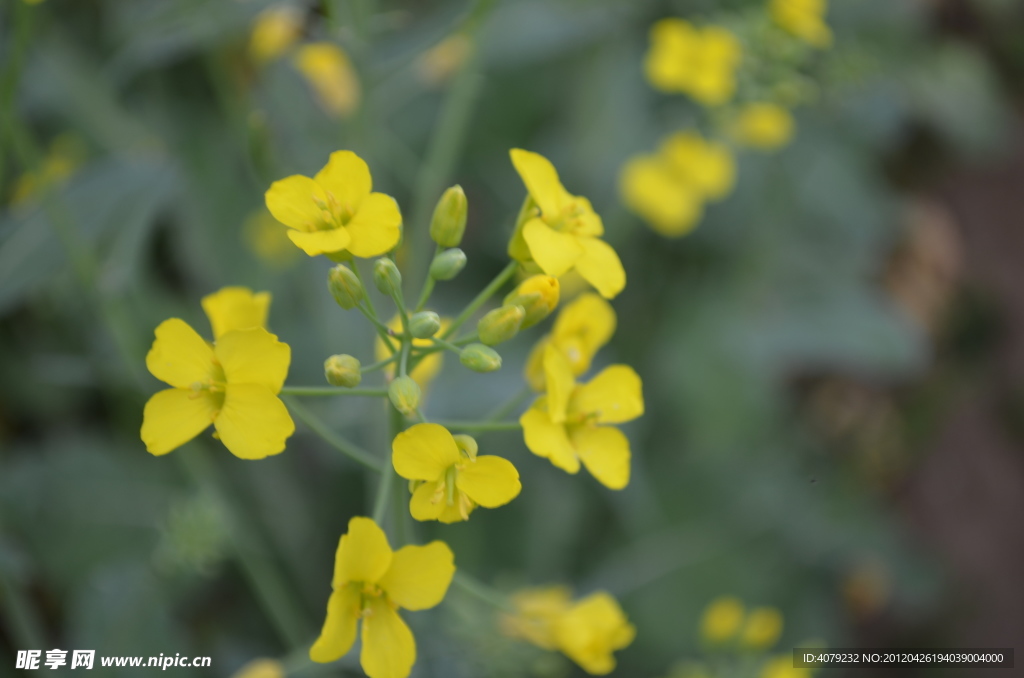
x=448, y=479
x=700, y=62
x=236, y=308
x=336, y=211
x=763, y=126
x=587, y=631
x=266, y=239
x=275, y=30
x=371, y=583
x=560, y=231
x=330, y=73
x=261, y=668
x=232, y=384
x=580, y=330
x=722, y=619
x=439, y=63
x=565, y=424
x=803, y=18
x=762, y=628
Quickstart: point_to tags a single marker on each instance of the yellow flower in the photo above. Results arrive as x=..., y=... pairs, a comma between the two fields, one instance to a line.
x=564, y=426
x=267, y=240
x=428, y=367
x=668, y=189
x=538, y=295
x=329, y=72
x=236, y=308
x=803, y=18
x=781, y=666
x=580, y=330
x=591, y=630
x=694, y=61
x=587, y=631
x=722, y=619
x=276, y=29
x=232, y=384
x=371, y=582
x=441, y=61
x=762, y=628
x=261, y=668
x=336, y=211
x=449, y=479
x=562, y=232
x=763, y=126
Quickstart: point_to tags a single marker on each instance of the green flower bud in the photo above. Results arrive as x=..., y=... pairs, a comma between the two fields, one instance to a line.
x=501, y=324
x=405, y=395
x=449, y=222
x=538, y=295
x=386, y=276
x=343, y=370
x=466, y=444
x=448, y=264
x=345, y=286
x=424, y=324
x=480, y=358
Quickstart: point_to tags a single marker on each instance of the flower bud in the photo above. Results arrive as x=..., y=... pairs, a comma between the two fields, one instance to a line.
x=466, y=444
x=448, y=264
x=344, y=286
x=501, y=324
x=480, y=358
x=538, y=295
x=343, y=370
x=386, y=276
x=405, y=395
x=424, y=324
x=449, y=222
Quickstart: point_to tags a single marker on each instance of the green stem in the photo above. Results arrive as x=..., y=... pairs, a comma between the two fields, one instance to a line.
x=12, y=76
x=428, y=284
x=373, y=367
x=333, y=391
x=447, y=346
x=482, y=591
x=387, y=477
x=510, y=405
x=463, y=341
x=481, y=425
x=331, y=438
x=503, y=277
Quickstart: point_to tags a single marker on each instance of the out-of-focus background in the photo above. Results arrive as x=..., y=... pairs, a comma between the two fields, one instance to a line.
x=833, y=360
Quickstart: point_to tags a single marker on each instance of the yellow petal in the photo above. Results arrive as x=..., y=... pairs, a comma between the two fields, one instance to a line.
x=293, y=202
x=261, y=668
x=179, y=357
x=600, y=266
x=554, y=252
x=175, y=416
x=339, y=630
x=489, y=481
x=451, y=513
x=547, y=439
x=376, y=227
x=582, y=328
x=591, y=630
x=253, y=423
x=363, y=553
x=321, y=242
x=389, y=650
x=347, y=178
x=426, y=503
x=236, y=308
x=605, y=452
x=559, y=382
x=541, y=181
x=419, y=575
x=254, y=356
x=424, y=452
x=652, y=190
x=534, y=370
x=614, y=396
x=329, y=72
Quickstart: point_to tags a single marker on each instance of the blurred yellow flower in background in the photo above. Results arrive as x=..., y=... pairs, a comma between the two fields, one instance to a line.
x=580, y=330
x=449, y=479
x=274, y=32
x=781, y=666
x=763, y=126
x=762, y=628
x=803, y=18
x=562, y=232
x=564, y=425
x=721, y=620
x=587, y=631
x=261, y=668
x=371, y=583
x=336, y=211
x=329, y=71
x=264, y=236
x=668, y=189
x=439, y=63
x=63, y=157
x=700, y=62
x=236, y=308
